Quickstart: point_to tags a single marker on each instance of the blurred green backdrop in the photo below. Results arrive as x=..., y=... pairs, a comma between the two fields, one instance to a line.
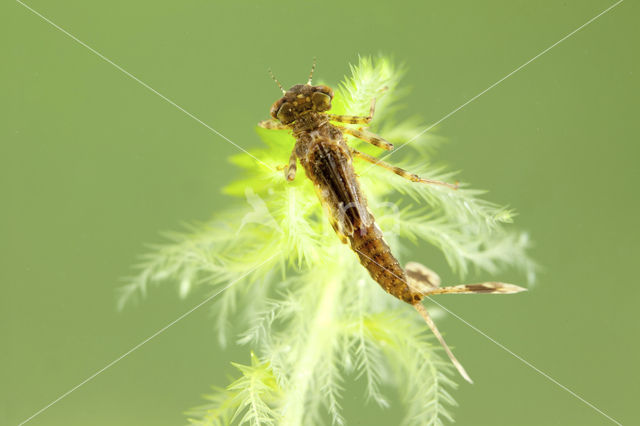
x=93, y=166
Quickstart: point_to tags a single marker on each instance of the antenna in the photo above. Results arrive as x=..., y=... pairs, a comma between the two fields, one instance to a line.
x=273, y=77
x=313, y=68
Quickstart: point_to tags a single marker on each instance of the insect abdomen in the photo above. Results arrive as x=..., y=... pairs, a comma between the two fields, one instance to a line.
x=375, y=255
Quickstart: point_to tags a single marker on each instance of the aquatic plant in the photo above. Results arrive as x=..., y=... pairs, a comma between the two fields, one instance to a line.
x=308, y=313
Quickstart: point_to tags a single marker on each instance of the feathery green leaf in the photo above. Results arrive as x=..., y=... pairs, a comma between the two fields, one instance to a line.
x=308, y=309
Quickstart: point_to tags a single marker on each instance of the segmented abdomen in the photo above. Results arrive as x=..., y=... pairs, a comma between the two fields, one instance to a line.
x=327, y=162
x=375, y=255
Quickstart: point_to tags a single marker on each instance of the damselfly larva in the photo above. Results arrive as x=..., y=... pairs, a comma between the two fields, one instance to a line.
x=327, y=160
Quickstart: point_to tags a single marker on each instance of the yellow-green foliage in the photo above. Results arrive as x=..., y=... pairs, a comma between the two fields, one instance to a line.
x=307, y=309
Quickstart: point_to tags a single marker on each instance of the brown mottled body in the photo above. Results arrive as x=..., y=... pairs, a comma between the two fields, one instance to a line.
x=384, y=268
x=328, y=162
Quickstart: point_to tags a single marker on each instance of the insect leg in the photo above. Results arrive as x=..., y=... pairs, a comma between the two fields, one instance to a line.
x=290, y=170
x=272, y=125
x=400, y=172
x=354, y=119
x=369, y=137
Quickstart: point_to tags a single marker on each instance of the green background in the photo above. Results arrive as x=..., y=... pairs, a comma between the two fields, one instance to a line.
x=93, y=166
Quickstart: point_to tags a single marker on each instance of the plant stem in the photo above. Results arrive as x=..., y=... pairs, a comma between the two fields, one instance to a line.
x=322, y=339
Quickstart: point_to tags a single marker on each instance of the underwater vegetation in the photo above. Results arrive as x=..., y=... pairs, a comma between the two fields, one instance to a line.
x=308, y=313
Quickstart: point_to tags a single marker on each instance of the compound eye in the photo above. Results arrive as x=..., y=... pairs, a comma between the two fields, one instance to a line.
x=321, y=101
x=324, y=89
x=285, y=113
